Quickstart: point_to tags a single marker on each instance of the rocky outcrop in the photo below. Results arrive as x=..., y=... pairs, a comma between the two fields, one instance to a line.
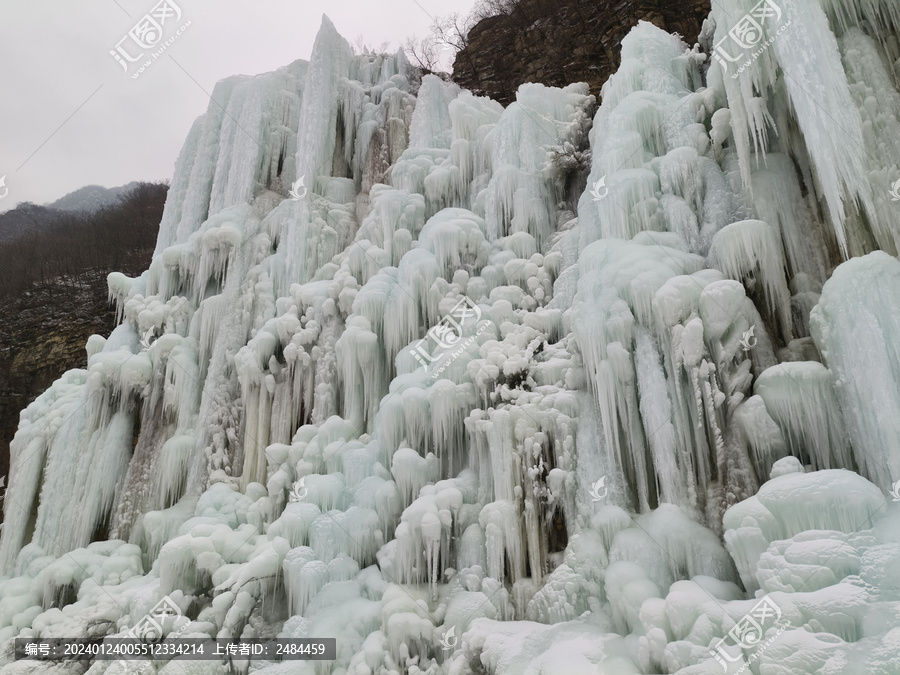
x=43, y=335
x=557, y=42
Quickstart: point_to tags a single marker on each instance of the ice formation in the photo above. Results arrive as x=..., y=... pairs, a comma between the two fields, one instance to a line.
x=555, y=388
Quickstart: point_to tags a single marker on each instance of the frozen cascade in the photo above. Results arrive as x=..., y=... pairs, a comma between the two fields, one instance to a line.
x=561, y=387
x=800, y=398
x=853, y=325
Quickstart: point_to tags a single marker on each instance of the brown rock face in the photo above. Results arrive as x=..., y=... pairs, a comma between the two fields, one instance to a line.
x=42, y=335
x=53, y=291
x=557, y=42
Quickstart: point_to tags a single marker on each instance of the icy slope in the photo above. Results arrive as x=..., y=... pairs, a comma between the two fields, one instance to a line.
x=554, y=388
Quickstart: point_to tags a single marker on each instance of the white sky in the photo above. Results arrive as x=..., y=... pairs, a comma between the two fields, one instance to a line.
x=70, y=116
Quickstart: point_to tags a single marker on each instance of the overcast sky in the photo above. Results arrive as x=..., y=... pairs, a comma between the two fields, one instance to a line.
x=71, y=116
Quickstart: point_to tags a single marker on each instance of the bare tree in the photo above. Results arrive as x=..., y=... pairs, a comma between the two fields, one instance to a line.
x=451, y=32
x=422, y=53
x=360, y=46
x=488, y=8
x=447, y=33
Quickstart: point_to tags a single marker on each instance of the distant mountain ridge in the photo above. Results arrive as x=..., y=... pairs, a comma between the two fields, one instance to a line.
x=28, y=217
x=90, y=198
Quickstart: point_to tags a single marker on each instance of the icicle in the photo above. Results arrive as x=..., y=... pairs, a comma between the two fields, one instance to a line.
x=800, y=398
x=752, y=247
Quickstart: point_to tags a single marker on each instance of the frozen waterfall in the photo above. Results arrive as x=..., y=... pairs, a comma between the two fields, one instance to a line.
x=557, y=388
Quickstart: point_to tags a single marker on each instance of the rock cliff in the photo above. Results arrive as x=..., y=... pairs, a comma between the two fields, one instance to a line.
x=556, y=42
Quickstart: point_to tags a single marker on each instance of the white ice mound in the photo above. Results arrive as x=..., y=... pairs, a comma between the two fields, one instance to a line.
x=834, y=500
